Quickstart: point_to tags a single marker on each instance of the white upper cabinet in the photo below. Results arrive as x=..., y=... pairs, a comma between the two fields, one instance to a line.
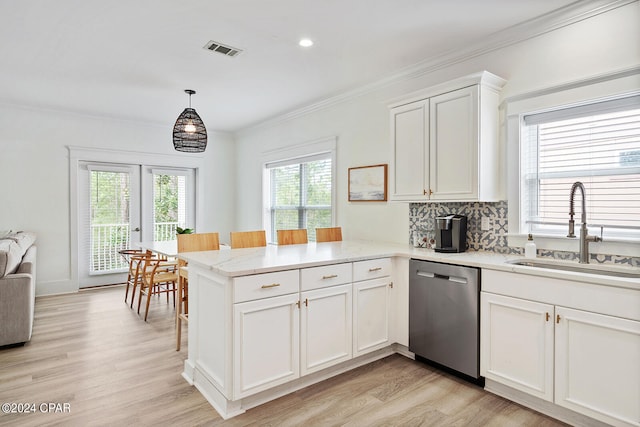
x=410, y=136
x=445, y=142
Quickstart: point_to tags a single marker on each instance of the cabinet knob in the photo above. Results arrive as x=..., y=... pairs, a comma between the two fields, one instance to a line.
x=391, y=285
x=306, y=302
x=548, y=316
x=557, y=318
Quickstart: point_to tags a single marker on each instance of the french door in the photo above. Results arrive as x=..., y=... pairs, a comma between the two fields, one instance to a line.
x=123, y=204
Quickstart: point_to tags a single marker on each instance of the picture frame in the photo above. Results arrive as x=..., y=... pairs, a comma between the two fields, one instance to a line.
x=368, y=183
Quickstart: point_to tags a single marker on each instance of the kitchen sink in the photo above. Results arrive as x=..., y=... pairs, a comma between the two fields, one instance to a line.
x=601, y=270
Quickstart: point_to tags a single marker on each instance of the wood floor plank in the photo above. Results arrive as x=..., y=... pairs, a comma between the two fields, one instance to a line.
x=91, y=351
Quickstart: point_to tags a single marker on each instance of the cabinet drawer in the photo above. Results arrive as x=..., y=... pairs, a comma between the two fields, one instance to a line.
x=248, y=288
x=371, y=269
x=327, y=275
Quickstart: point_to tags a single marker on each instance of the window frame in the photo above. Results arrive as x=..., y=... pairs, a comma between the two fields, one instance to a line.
x=601, y=87
x=531, y=175
x=291, y=155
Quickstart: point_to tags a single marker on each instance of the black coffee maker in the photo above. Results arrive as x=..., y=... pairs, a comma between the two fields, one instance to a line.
x=451, y=233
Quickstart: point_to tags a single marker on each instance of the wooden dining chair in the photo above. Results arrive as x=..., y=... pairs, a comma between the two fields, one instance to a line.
x=135, y=259
x=158, y=277
x=248, y=239
x=330, y=234
x=292, y=237
x=189, y=243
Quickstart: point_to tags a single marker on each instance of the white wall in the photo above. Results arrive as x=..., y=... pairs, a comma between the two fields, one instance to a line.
x=34, y=172
x=600, y=44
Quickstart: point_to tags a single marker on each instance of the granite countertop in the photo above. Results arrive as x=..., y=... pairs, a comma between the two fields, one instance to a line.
x=243, y=262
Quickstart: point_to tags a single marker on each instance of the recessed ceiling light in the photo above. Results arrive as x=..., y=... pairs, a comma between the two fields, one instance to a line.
x=305, y=42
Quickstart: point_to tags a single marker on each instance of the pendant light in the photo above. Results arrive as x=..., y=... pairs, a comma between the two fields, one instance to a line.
x=189, y=133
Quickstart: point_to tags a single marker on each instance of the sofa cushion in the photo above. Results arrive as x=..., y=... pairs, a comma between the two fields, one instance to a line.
x=10, y=256
x=24, y=239
x=28, y=263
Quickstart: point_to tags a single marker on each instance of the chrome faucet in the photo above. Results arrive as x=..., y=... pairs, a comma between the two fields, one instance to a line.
x=585, y=238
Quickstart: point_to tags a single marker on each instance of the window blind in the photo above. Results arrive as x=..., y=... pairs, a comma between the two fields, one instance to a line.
x=300, y=193
x=109, y=218
x=597, y=144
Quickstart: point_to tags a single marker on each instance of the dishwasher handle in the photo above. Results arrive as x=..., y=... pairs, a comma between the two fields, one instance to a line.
x=430, y=275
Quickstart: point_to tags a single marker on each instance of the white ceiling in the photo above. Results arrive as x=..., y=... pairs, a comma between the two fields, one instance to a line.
x=133, y=59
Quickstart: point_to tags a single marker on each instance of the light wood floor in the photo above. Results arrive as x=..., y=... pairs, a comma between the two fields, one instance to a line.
x=91, y=351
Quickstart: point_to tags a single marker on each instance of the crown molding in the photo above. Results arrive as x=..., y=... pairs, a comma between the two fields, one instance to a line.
x=568, y=15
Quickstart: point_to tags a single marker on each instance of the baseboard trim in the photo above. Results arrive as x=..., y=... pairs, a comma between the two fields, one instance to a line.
x=542, y=406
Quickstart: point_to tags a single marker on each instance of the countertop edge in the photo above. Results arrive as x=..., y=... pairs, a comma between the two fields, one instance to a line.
x=269, y=260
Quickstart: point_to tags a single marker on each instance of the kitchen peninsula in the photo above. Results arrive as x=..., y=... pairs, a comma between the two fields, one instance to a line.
x=264, y=322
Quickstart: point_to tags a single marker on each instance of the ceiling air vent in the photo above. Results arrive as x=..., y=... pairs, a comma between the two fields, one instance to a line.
x=223, y=49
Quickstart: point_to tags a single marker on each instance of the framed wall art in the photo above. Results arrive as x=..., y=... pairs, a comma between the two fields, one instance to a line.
x=368, y=183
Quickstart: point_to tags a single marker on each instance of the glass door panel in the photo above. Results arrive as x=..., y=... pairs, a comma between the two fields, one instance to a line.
x=109, y=220
x=173, y=203
x=169, y=206
x=110, y=213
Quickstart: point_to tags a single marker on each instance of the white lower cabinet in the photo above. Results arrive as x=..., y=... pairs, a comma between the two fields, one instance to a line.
x=325, y=327
x=371, y=309
x=580, y=360
x=280, y=338
x=253, y=336
x=517, y=343
x=371, y=305
x=266, y=344
x=598, y=366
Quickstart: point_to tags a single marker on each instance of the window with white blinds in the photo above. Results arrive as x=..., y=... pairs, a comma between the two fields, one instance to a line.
x=597, y=144
x=300, y=194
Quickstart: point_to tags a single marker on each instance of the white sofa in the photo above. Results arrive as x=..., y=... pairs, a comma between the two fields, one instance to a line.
x=17, y=287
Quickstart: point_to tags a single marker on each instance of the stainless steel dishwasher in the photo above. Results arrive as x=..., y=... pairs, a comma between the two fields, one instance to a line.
x=444, y=315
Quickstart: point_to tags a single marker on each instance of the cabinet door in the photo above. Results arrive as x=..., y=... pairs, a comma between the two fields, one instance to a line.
x=326, y=328
x=598, y=366
x=410, y=150
x=371, y=303
x=453, y=142
x=266, y=344
x=517, y=343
